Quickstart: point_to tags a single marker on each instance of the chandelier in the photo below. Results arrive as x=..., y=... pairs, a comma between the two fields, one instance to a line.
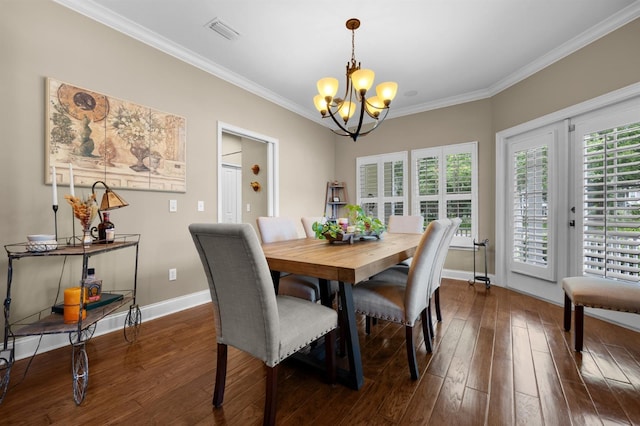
x=359, y=81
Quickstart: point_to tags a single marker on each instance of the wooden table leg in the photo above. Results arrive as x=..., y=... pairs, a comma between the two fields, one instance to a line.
x=356, y=377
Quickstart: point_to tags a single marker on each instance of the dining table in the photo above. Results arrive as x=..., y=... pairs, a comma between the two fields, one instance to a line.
x=348, y=263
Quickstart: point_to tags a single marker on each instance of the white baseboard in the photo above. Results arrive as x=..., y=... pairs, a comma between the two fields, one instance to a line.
x=30, y=345
x=466, y=276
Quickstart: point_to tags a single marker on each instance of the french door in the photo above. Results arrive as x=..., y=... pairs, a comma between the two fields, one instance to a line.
x=606, y=193
x=535, y=202
x=570, y=202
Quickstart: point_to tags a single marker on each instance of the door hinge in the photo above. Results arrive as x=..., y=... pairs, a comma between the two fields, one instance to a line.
x=572, y=127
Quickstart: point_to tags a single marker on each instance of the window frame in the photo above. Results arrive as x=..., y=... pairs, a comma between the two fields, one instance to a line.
x=441, y=152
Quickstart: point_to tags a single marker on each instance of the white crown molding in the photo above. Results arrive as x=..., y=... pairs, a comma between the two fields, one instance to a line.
x=440, y=103
x=125, y=26
x=605, y=27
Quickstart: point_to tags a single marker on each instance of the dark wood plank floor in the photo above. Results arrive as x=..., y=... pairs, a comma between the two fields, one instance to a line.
x=500, y=358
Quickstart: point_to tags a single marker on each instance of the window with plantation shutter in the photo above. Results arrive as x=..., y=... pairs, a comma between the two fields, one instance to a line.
x=530, y=233
x=531, y=225
x=445, y=185
x=381, y=184
x=611, y=203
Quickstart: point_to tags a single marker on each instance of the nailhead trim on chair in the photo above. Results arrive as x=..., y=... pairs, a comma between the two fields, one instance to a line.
x=385, y=317
x=304, y=344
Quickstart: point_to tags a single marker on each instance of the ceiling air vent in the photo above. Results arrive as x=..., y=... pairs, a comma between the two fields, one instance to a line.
x=223, y=29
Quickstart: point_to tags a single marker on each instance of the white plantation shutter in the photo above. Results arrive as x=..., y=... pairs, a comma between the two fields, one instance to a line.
x=427, y=191
x=530, y=214
x=611, y=203
x=381, y=184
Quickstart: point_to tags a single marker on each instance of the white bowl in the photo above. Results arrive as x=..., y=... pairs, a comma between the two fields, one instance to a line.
x=39, y=246
x=41, y=237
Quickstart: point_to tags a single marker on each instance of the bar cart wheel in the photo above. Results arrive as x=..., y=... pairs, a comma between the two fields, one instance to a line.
x=83, y=336
x=480, y=278
x=6, y=362
x=132, y=323
x=80, y=364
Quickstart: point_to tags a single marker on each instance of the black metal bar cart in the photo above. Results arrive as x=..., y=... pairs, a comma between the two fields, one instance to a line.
x=51, y=320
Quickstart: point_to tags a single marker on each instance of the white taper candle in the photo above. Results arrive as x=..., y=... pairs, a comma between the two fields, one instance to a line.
x=71, y=189
x=55, y=186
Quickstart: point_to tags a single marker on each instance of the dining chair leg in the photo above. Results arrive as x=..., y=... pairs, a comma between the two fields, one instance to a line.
x=221, y=375
x=271, y=397
x=411, y=353
x=579, y=326
x=567, y=312
x=425, y=331
x=436, y=296
x=367, y=325
x=430, y=321
x=330, y=356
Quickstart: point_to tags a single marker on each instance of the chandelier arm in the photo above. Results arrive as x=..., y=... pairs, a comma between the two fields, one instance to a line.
x=362, y=108
x=377, y=123
x=333, y=117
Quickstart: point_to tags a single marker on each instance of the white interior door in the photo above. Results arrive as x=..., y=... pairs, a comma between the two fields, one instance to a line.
x=231, y=194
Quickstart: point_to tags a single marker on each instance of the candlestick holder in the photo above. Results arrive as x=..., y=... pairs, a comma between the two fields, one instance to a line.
x=73, y=228
x=55, y=219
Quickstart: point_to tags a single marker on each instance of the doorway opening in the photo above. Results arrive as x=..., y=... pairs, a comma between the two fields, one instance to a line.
x=239, y=151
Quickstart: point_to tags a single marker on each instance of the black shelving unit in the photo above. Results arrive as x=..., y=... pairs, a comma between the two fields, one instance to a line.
x=336, y=197
x=480, y=278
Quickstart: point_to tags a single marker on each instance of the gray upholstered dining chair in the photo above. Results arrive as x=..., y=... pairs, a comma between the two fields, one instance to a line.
x=274, y=229
x=409, y=224
x=399, y=273
x=405, y=303
x=249, y=315
x=307, y=224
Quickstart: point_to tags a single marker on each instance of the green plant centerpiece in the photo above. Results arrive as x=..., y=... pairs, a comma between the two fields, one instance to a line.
x=364, y=225
x=360, y=226
x=329, y=230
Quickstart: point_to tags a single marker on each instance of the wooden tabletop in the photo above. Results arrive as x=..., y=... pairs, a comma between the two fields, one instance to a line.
x=350, y=263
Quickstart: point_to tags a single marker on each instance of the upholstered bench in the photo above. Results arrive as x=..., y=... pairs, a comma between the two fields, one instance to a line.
x=594, y=292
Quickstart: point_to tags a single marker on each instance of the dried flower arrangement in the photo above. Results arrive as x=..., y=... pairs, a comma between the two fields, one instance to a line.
x=83, y=210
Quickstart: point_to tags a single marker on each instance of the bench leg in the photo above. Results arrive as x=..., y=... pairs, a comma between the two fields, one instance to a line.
x=567, y=313
x=579, y=325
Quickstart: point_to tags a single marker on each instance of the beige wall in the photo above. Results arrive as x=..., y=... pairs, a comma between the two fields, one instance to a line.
x=601, y=67
x=40, y=39
x=605, y=65
x=457, y=124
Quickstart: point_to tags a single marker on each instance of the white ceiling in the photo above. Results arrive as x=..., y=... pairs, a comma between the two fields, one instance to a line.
x=440, y=52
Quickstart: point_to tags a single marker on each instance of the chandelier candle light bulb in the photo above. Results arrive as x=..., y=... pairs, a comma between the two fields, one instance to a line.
x=358, y=82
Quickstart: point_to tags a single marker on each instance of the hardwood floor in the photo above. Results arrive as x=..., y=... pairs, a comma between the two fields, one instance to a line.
x=500, y=358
